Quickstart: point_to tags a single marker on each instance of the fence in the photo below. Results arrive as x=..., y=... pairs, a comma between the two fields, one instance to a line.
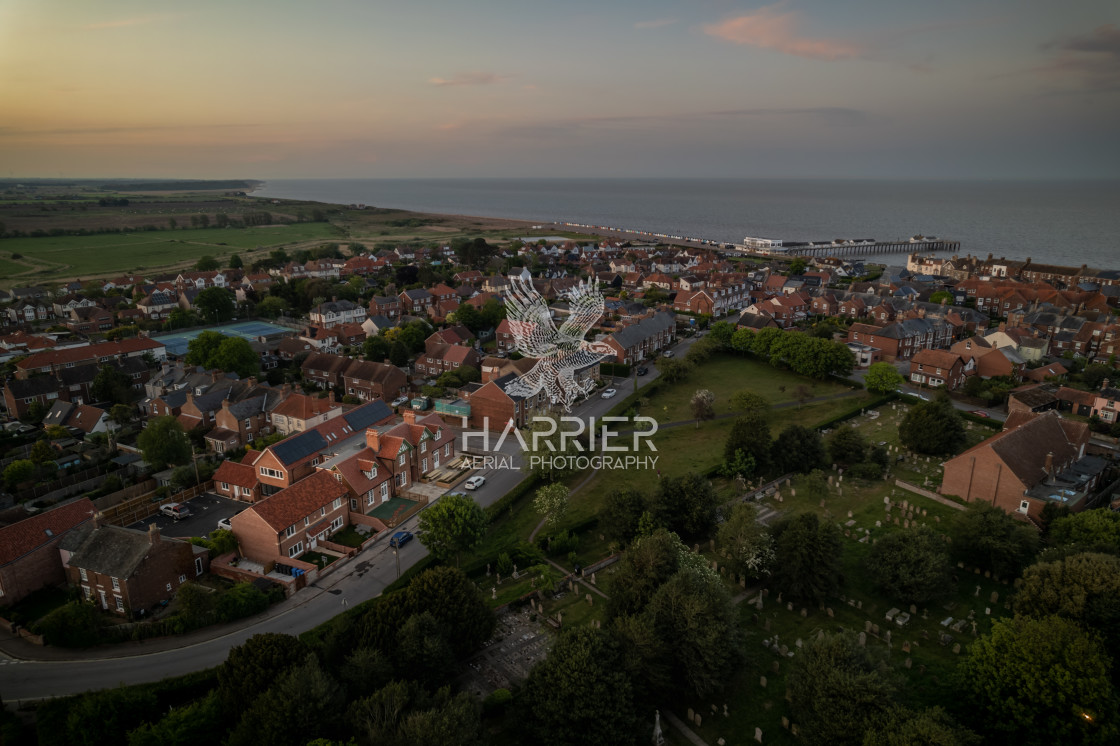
x=63, y=486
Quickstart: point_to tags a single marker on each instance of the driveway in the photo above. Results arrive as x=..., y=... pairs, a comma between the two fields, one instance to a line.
x=206, y=510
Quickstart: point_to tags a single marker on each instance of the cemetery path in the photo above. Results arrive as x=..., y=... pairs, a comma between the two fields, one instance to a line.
x=684, y=729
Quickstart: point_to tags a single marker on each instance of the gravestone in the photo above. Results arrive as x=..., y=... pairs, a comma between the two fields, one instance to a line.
x=804, y=612
x=867, y=626
x=913, y=609
x=830, y=613
x=863, y=638
x=762, y=681
x=994, y=597
x=784, y=650
x=785, y=722
x=698, y=720
x=590, y=600
x=758, y=734
x=908, y=663
x=775, y=666
x=789, y=606
x=957, y=648
x=493, y=592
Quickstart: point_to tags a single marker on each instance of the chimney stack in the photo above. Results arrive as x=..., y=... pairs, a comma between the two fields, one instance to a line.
x=409, y=417
x=153, y=534
x=1050, y=465
x=373, y=439
x=330, y=395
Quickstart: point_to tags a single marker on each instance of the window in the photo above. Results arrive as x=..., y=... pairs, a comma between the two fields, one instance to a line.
x=266, y=472
x=307, y=521
x=424, y=447
x=336, y=504
x=369, y=498
x=120, y=603
x=322, y=511
x=182, y=579
x=197, y=565
x=87, y=592
x=225, y=486
x=1024, y=506
x=82, y=572
x=169, y=587
x=315, y=461
x=289, y=531
x=447, y=450
x=116, y=584
x=401, y=460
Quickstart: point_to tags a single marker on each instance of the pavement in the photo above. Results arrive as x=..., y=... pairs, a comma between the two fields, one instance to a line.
x=30, y=672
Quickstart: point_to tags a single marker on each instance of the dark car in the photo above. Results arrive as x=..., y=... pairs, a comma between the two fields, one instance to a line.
x=400, y=538
x=643, y=370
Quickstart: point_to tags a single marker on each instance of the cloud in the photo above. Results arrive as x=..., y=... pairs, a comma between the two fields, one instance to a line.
x=464, y=79
x=769, y=28
x=1092, y=58
x=656, y=23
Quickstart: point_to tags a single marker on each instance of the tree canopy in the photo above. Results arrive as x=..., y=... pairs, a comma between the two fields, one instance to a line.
x=744, y=542
x=215, y=304
x=807, y=558
x=453, y=525
x=911, y=566
x=798, y=449
x=164, y=442
x=882, y=378
x=932, y=427
x=985, y=536
x=750, y=434
x=685, y=504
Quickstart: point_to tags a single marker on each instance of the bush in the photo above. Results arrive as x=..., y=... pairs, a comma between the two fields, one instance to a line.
x=75, y=625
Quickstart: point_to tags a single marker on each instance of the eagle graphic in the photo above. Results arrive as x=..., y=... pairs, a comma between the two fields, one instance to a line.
x=559, y=352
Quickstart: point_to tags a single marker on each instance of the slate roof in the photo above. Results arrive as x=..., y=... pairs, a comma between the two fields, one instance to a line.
x=25, y=536
x=635, y=334
x=113, y=551
x=1024, y=448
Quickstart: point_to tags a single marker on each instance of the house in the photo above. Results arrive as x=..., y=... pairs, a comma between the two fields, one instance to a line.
x=504, y=336
x=128, y=571
x=1031, y=399
x=291, y=348
x=387, y=306
x=1104, y=403
x=986, y=361
x=293, y=520
x=442, y=358
x=29, y=558
x=299, y=412
x=369, y=380
x=321, y=339
x=1050, y=372
x=901, y=340
x=237, y=480
x=937, y=369
x=492, y=405
x=416, y=302
x=1076, y=401
x=644, y=339
x=1024, y=468
x=82, y=417
x=335, y=312
x=237, y=423
x=325, y=369
x=53, y=360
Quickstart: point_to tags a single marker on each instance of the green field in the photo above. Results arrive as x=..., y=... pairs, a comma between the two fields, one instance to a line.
x=112, y=253
x=8, y=268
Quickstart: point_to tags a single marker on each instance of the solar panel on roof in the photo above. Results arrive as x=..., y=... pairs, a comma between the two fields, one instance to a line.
x=291, y=450
x=366, y=415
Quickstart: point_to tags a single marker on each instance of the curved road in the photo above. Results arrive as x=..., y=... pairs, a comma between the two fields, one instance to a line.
x=31, y=672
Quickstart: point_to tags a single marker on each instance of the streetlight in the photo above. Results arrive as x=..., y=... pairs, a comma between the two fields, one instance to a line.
x=397, y=557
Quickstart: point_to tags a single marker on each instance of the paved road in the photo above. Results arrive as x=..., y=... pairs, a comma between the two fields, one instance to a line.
x=35, y=673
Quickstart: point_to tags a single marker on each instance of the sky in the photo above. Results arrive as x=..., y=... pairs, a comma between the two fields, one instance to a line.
x=969, y=89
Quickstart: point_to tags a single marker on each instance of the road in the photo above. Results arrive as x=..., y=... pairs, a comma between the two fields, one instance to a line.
x=39, y=673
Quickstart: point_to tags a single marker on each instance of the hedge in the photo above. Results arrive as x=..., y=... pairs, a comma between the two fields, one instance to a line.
x=857, y=410
x=619, y=370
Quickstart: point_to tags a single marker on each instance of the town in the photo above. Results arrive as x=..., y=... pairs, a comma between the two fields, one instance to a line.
x=185, y=451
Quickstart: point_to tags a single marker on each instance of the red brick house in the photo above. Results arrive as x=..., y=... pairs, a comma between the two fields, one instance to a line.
x=29, y=558
x=325, y=369
x=294, y=520
x=504, y=336
x=387, y=306
x=644, y=339
x=237, y=480
x=490, y=403
x=236, y=423
x=416, y=301
x=369, y=380
x=54, y=360
x=937, y=369
x=301, y=412
x=125, y=571
x=1019, y=469
x=438, y=360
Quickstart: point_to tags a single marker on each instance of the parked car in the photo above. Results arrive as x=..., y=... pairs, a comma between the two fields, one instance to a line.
x=399, y=401
x=643, y=370
x=609, y=393
x=980, y=413
x=400, y=538
x=667, y=353
x=225, y=525
x=474, y=482
x=175, y=511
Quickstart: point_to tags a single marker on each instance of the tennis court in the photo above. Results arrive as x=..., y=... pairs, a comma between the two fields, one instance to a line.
x=176, y=343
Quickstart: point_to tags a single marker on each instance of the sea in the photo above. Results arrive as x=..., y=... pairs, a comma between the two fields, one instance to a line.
x=1053, y=222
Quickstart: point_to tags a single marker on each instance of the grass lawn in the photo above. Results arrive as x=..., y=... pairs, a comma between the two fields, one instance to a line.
x=36, y=605
x=318, y=558
x=348, y=537
x=8, y=268
x=114, y=253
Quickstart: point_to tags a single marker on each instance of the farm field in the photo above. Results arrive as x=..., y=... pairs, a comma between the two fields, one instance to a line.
x=107, y=254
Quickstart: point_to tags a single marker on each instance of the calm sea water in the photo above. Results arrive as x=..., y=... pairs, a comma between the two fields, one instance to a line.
x=1069, y=223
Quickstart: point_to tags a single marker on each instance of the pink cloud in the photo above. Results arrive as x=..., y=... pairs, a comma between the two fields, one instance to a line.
x=768, y=28
x=472, y=78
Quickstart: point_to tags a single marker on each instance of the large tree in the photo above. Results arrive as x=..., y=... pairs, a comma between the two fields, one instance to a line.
x=579, y=695
x=252, y=667
x=882, y=378
x=215, y=304
x=911, y=566
x=455, y=602
x=702, y=405
x=932, y=427
x=985, y=536
x=847, y=446
x=235, y=355
x=455, y=524
x=838, y=689
x=686, y=504
x=203, y=347
x=645, y=566
x=1098, y=530
x=744, y=542
x=798, y=449
x=1039, y=681
x=111, y=385
x=933, y=727
x=164, y=442
x=622, y=510
x=303, y=703
x=551, y=502
x=750, y=434
x=806, y=558
x=1082, y=587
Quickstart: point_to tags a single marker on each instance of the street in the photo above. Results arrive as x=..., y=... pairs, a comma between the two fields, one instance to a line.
x=361, y=579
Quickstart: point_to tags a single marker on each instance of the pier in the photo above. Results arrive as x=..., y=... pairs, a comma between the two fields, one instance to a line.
x=879, y=247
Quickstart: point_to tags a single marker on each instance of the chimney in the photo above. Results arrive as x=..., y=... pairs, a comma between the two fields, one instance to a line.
x=153, y=534
x=252, y=381
x=409, y=417
x=330, y=395
x=96, y=520
x=373, y=439
x=1104, y=384
x=215, y=375
x=1050, y=465
x=1002, y=326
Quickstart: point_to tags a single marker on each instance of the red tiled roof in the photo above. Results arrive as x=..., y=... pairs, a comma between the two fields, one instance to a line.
x=232, y=472
x=27, y=535
x=293, y=503
x=90, y=352
x=85, y=418
x=302, y=406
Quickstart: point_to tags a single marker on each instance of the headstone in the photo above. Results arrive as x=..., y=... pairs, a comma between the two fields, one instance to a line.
x=913, y=609
x=691, y=714
x=726, y=714
x=804, y=612
x=906, y=647
x=830, y=613
x=775, y=666
x=789, y=606
x=957, y=648
x=758, y=734
x=875, y=629
x=793, y=728
x=888, y=636
x=878, y=524
x=698, y=720
x=593, y=582
x=987, y=573
x=988, y=610
x=493, y=593
x=487, y=569
x=863, y=638
x=849, y=514
x=762, y=681
x=976, y=593
x=994, y=597
x=785, y=722
x=867, y=626
x=784, y=650
x=908, y=663
x=590, y=600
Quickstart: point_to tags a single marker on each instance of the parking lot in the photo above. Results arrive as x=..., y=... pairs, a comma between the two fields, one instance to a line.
x=206, y=511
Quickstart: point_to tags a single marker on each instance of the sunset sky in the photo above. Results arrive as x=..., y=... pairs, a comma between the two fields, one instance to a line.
x=379, y=89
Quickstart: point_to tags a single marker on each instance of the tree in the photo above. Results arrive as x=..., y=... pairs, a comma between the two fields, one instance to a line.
x=932, y=427
x=398, y=354
x=749, y=403
x=252, y=667
x=551, y=502
x=745, y=542
x=376, y=349
x=470, y=317
x=18, y=472
x=272, y=306
x=164, y=442
x=235, y=262
x=697, y=624
x=883, y=378
x=110, y=384
x=200, y=721
x=423, y=649
x=41, y=451
x=806, y=558
x=846, y=446
x=932, y=727
x=621, y=512
x=215, y=304
x=985, y=536
x=580, y=694
x=911, y=566
x=455, y=524
x=674, y=370
x=544, y=456
x=1095, y=374
x=235, y=355
x=647, y=564
x=202, y=348
x=751, y=435
x=456, y=603
x=303, y=703
x=701, y=403
x=1098, y=530
x=798, y=449
x=1084, y=588
x=686, y=505
x=798, y=266
x=838, y=689
x=1039, y=681
x=207, y=264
